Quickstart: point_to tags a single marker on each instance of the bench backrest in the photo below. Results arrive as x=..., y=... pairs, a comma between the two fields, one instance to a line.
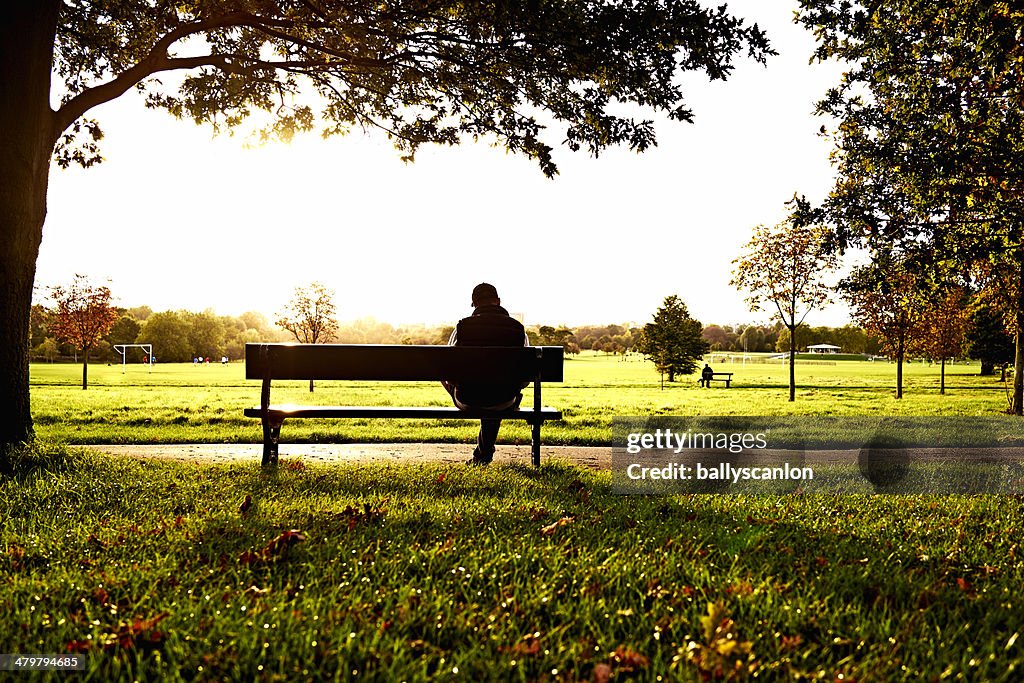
x=403, y=362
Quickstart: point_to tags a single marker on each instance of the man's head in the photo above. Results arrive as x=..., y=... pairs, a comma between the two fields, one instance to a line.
x=485, y=295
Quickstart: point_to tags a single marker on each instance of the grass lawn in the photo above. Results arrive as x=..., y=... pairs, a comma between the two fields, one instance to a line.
x=406, y=573
x=182, y=403
x=152, y=571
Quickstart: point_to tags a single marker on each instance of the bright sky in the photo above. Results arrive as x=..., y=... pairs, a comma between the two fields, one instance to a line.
x=179, y=219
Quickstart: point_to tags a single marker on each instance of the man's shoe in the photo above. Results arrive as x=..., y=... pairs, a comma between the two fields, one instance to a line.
x=478, y=460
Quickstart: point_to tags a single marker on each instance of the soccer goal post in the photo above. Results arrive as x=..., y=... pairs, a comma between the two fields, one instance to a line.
x=123, y=350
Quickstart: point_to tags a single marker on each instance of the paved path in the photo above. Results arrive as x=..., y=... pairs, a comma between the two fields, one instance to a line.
x=596, y=458
x=593, y=457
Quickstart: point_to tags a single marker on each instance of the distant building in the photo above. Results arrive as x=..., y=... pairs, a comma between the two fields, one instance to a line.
x=824, y=348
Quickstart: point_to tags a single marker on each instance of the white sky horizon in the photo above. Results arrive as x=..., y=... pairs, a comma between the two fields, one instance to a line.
x=176, y=218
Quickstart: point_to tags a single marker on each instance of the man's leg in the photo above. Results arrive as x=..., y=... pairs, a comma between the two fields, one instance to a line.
x=486, y=439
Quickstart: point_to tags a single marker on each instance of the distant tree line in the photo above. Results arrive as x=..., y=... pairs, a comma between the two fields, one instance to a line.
x=180, y=336
x=176, y=336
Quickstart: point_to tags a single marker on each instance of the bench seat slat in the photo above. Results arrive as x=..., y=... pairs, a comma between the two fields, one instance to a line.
x=377, y=362
x=430, y=412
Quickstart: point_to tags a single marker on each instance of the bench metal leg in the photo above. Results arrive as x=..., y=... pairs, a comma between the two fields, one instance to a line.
x=271, y=438
x=536, y=444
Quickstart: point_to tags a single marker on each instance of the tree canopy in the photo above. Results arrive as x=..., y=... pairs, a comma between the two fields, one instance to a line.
x=422, y=71
x=673, y=340
x=783, y=269
x=930, y=142
x=888, y=303
x=82, y=315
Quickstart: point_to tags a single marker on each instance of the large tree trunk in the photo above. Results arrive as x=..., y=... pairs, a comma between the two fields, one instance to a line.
x=942, y=377
x=26, y=144
x=1018, y=358
x=792, y=363
x=85, y=369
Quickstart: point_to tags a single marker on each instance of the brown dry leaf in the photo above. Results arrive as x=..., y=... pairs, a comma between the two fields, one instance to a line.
x=137, y=633
x=530, y=647
x=792, y=642
x=722, y=655
x=280, y=545
x=449, y=542
x=553, y=527
x=602, y=673
x=78, y=646
x=537, y=514
x=627, y=659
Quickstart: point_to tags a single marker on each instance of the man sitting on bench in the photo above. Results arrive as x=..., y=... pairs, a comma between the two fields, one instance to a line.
x=490, y=325
x=706, y=375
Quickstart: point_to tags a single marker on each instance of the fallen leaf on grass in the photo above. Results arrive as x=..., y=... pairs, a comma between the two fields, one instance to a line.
x=78, y=646
x=449, y=543
x=537, y=514
x=722, y=655
x=628, y=660
x=277, y=548
x=281, y=544
x=792, y=642
x=529, y=646
x=550, y=529
x=138, y=633
x=965, y=586
x=369, y=514
x=602, y=673
x=246, y=504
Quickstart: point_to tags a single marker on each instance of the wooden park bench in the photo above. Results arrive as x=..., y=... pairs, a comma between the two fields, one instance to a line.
x=719, y=377
x=399, y=363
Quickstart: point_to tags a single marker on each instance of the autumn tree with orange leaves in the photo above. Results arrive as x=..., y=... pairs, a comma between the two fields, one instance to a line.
x=944, y=329
x=887, y=303
x=82, y=315
x=310, y=316
x=783, y=268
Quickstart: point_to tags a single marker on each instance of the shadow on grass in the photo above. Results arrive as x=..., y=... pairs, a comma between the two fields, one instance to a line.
x=859, y=581
x=38, y=458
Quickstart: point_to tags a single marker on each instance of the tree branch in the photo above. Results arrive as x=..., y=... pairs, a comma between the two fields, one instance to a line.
x=157, y=60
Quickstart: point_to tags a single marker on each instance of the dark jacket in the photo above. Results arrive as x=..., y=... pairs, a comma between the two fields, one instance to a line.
x=488, y=326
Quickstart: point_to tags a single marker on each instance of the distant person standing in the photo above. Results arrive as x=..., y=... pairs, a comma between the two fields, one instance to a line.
x=706, y=375
x=490, y=325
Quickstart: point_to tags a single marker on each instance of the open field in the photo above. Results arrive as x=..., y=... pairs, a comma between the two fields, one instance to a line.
x=182, y=403
x=152, y=571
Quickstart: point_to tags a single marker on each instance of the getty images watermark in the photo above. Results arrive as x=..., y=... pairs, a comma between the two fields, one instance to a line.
x=816, y=454
x=709, y=443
